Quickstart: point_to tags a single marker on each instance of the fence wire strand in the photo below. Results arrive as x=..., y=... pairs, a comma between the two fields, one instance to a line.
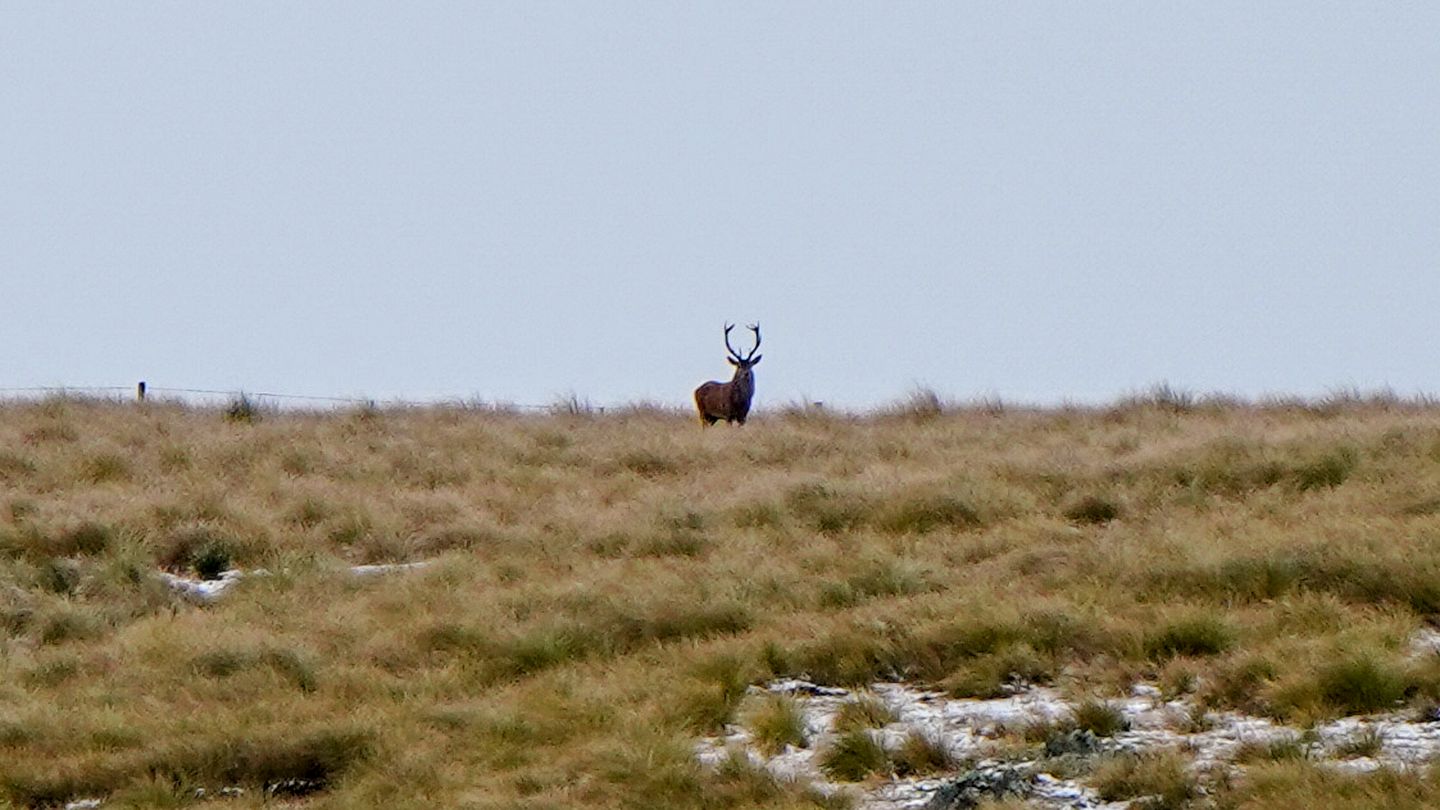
x=81, y=390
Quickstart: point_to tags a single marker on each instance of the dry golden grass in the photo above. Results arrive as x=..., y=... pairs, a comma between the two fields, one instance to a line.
x=607, y=586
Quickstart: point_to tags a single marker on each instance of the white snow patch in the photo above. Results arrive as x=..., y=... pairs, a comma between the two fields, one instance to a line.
x=390, y=568
x=970, y=729
x=208, y=590
x=203, y=590
x=1425, y=643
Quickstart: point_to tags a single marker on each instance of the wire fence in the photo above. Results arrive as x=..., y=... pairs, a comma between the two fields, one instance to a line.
x=144, y=392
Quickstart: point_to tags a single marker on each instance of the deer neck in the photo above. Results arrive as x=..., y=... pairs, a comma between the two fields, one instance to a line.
x=742, y=385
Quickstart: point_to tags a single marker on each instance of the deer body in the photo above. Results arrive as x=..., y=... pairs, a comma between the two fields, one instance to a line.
x=730, y=400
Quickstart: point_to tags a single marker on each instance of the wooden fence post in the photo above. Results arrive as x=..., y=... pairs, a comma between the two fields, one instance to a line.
x=140, y=391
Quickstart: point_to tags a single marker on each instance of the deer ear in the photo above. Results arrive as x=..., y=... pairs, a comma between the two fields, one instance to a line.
x=733, y=361
x=756, y=359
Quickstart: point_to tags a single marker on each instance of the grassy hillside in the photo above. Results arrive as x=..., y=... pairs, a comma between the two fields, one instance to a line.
x=606, y=586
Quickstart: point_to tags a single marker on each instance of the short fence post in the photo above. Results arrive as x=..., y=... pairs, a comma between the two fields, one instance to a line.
x=140, y=391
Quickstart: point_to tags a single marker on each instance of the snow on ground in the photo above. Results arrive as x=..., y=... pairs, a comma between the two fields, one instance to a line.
x=972, y=730
x=208, y=590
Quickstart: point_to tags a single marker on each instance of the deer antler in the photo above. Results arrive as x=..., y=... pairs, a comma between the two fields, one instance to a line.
x=754, y=327
x=731, y=349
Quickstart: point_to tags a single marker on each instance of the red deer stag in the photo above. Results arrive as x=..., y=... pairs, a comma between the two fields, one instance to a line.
x=730, y=401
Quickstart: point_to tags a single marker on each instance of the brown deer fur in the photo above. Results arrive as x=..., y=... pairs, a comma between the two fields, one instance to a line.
x=730, y=400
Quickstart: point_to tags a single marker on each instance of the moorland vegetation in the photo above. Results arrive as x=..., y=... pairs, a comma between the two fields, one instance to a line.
x=605, y=587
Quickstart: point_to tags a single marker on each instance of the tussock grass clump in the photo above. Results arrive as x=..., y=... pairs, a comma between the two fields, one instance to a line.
x=922, y=754
x=1366, y=743
x=854, y=755
x=998, y=673
x=280, y=761
x=876, y=578
x=288, y=664
x=1362, y=684
x=38, y=542
x=1235, y=468
x=1156, y=781
x=58, y=576
x=1281, y=749
x=1092, y=509
x=1377, y=579
x=202, y=550
x=927, y=513
x=70, y=623
x=1242, y=683
x=1100, y=718
x=50, y=671
x=713, y=692
x=1329, y=469
x=674, y=542
x=102, y=468
x=1230, y=468
x=1161, y=397
x=777, y=721
x=739, y=780
x=1199, y=635
x=15, y=467
x=920, y=405
x=865, y=711
x=650, y=463
x=826, y=510
x=1310, y=784
x=211, y=560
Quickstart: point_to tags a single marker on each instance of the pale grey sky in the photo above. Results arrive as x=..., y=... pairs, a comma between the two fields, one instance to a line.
x=1039, y=201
